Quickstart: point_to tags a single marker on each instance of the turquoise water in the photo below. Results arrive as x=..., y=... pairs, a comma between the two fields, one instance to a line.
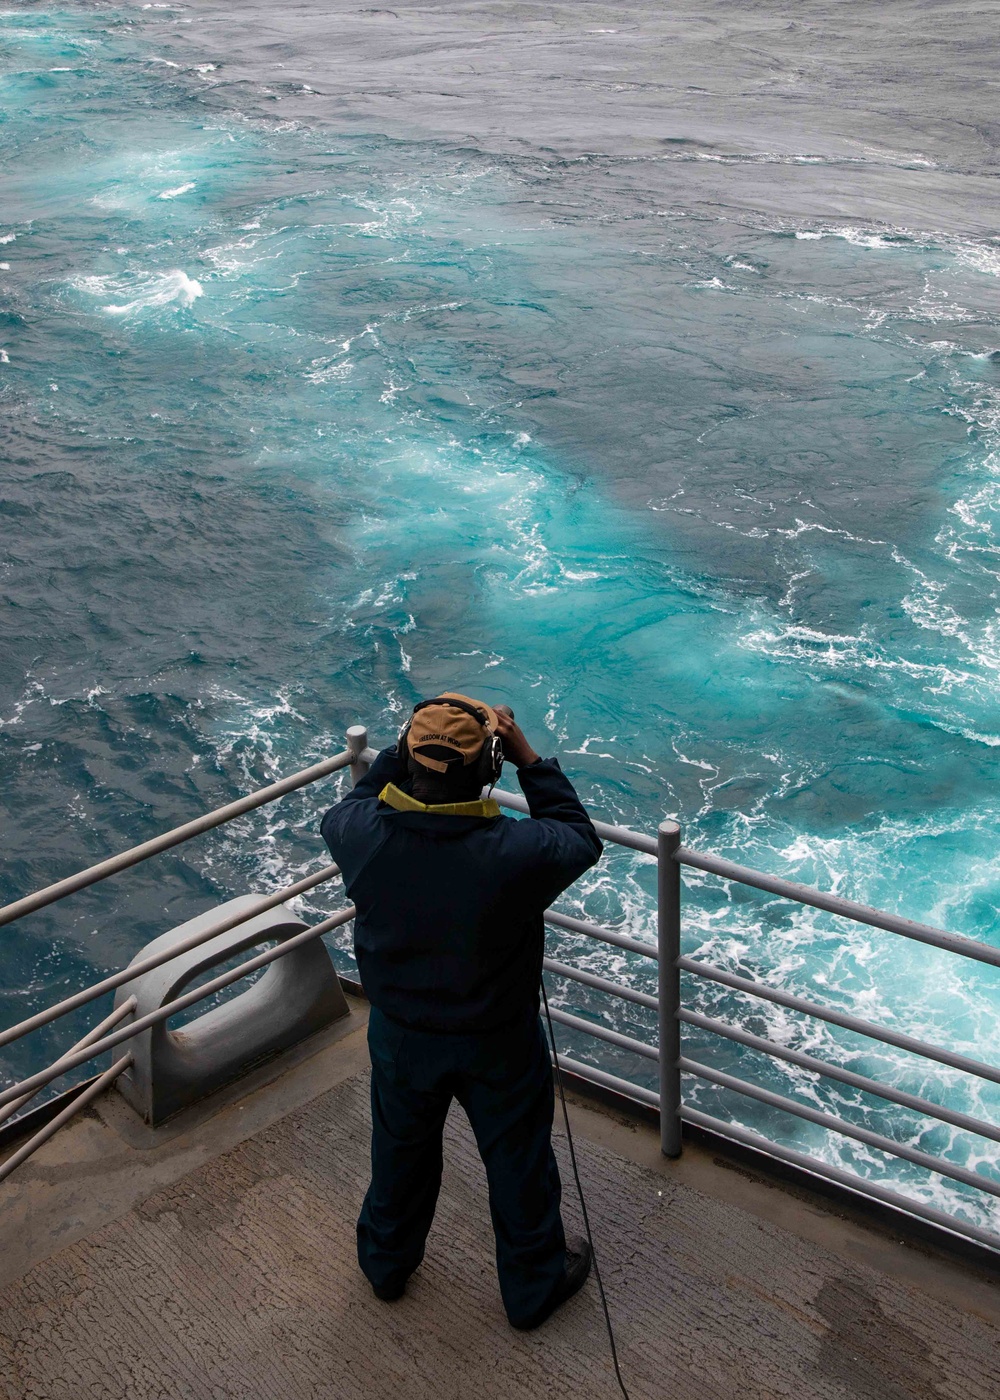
x=302, y=422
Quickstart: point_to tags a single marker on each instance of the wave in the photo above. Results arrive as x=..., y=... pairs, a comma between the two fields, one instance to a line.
x=178, y=190
x=980, y=257
x=975, y=255
x=147, y=291
x=871, y=157
x=860, y=238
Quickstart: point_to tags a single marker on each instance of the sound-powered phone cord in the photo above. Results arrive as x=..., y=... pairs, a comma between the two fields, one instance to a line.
x=579, y=1189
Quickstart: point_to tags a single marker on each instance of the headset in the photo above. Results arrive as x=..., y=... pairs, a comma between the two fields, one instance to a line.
x=489, y=764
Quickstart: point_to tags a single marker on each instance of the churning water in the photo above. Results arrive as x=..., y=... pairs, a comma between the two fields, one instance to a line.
x=640, y=370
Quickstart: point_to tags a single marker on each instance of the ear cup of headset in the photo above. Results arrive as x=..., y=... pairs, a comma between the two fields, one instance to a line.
x=490, y=760
x=403, y=742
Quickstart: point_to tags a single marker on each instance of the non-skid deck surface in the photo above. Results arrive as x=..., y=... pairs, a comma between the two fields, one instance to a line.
x=239, y=1283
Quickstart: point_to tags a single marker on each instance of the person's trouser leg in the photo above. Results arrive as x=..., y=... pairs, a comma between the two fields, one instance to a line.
x=407, y=1124
x=508, y=1096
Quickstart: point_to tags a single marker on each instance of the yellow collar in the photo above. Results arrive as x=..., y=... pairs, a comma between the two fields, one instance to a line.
x=403, y=802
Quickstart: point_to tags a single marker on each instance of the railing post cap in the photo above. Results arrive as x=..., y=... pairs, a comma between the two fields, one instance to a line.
x=668, y=827
x=357, y=740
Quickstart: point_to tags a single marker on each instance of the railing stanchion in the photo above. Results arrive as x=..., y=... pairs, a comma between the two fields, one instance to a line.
x=668, y=938
x=357, y=742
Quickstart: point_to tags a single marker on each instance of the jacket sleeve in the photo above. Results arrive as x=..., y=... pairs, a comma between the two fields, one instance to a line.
x=560, y=842
x=387, y=768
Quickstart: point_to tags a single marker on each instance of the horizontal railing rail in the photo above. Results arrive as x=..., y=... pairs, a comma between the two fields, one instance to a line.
x=786, y=889
x=843, y=1076
x=135, y=855
x=666, y=1053
x=619, y=835
x=841, y=1018
x=834, y=904
x=840, y=1125
x=599, y=1032
x=602, y=935
x=601, y=984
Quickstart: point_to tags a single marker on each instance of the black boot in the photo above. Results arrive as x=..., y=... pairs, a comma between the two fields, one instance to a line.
x=579, y=1258
x=390, y=1293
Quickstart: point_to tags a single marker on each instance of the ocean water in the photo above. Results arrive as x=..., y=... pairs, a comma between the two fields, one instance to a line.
x=642, y=371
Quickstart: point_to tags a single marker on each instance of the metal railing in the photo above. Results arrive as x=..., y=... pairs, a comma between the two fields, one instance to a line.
x=111, y=1033
x=673, y=1066
x=667, y=1054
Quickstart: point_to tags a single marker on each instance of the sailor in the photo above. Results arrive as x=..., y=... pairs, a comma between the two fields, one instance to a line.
x=449, y=940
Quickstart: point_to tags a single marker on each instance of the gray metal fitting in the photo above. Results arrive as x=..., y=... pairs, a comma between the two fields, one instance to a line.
x=298, y=995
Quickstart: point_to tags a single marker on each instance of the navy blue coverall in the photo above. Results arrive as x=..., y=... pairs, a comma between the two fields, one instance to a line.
x=449, y=941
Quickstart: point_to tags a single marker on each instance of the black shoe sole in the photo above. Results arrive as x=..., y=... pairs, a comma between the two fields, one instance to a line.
x=564, y=1293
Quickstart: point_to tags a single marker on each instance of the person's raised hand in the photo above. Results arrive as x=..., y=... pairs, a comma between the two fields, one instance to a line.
x=516, y=748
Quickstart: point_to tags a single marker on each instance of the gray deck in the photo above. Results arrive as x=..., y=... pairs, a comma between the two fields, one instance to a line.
x=217, y=1260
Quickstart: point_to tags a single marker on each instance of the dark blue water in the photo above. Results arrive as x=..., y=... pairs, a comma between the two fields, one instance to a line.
x=641, y=371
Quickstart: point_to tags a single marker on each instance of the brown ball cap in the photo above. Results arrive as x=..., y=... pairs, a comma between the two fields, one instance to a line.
x=440, y=728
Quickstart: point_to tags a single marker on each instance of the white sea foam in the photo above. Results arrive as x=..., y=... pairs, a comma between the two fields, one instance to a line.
x=391, y=391
x=4, y=357
x=177, y=190
x=904, y=159
x=980, y=257
x=7, y=237
x=170, y=288
x=328, y=371
x=934, y=303
x=35, y=693
x=390, y=215
x=848, y=652
x=148, y=291
x=4, y=266
x=231, y=258
x=860, y=238
x=749, y=158
x=694, y=762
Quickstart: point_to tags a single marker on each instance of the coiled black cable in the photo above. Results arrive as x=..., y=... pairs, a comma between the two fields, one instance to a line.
x=579, y=1189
